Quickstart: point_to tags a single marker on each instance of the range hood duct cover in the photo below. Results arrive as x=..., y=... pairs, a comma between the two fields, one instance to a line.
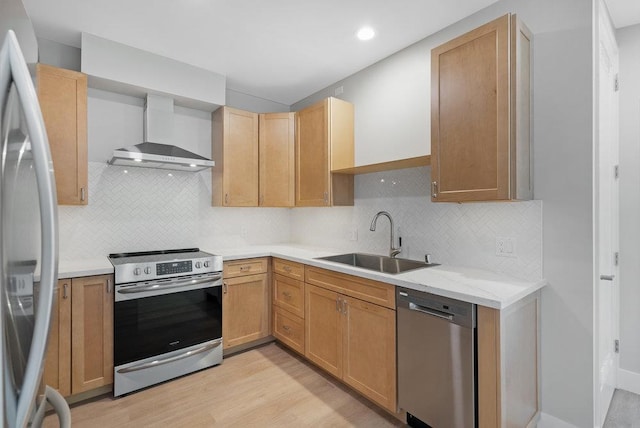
x=157, y=150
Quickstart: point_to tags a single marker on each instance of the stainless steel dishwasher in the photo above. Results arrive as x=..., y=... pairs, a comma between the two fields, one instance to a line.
x=437, y=384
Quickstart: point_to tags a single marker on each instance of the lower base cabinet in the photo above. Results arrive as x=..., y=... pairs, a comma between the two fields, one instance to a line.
x=354, y=340
x=80, y=350
x=246, y=302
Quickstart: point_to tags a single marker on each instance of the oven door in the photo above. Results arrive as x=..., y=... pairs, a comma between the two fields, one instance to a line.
x=158, y=317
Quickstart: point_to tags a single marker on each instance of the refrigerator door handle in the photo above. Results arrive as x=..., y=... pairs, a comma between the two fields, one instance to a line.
x=59, y=405
x=43, y=167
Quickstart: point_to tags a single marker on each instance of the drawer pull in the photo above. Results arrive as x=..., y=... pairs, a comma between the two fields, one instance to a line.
x=245, y=268
x=286, y=294
x=287, y=269
x=286, y=328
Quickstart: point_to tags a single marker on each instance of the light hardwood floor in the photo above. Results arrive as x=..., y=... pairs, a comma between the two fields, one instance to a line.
x=263, y=387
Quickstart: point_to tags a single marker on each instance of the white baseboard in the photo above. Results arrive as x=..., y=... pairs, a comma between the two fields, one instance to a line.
x=548, y=421
x=629, y=381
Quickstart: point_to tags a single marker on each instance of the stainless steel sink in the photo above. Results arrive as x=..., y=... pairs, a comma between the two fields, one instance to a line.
x=377, y=263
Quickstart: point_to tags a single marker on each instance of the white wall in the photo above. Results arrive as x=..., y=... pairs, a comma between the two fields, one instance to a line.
x=629, y=76
x=562, y=96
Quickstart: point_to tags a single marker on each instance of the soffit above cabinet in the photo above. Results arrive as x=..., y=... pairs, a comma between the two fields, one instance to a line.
x=120, y=68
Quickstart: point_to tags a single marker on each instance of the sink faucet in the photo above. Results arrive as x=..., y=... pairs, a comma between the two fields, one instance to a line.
x=392, y=250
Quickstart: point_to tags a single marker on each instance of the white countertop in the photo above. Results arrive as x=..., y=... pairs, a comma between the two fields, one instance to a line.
x=86, y=267
x=477, y=286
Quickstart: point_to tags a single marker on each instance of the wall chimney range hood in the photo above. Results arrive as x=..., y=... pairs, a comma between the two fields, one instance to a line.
x=157, y=151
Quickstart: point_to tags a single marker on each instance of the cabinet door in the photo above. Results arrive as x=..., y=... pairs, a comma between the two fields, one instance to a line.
x=245, y=309
x=369, y=343
x=470, y=122
x=323, y=329
x=235, y=151
x=57, y=369
x=91, y=332
x=312, y=155
x=277, y=160
x=63, y=100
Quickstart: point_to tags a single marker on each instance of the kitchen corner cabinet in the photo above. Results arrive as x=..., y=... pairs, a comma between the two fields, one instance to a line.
x=80, y=351
x=234, y=140
x=480, y=114
x=324, y=143
x=288, y=303
x=246, y=302
x=277, y=159
x=63, y=100
x=352, y=338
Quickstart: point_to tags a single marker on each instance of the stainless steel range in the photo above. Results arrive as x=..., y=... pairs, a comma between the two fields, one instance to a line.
x=167, y=315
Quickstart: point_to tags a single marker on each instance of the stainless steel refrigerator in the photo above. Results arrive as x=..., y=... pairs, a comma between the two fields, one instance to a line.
x=28, y=246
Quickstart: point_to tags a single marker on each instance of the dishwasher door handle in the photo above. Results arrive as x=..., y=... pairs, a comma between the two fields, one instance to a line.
x=429, y=311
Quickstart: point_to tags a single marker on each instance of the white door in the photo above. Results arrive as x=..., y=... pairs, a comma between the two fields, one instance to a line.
x=606, y=305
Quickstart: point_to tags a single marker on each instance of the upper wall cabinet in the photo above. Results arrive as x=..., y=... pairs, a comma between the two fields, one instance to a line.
x=63, y=100
x=235, y=150
x=277, y=160
x=324, y=143
x=480, y=114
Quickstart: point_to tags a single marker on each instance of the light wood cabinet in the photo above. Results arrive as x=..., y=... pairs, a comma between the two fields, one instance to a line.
x=63, y=100
x=288, y=303
x=80, y=348
x=277, y=160
x=57, y=370
x=246, y=302
x=91, y=332
x=369, y=350
x=234, y=139
x=480, y=114
x=353, y=339
x=324, y=143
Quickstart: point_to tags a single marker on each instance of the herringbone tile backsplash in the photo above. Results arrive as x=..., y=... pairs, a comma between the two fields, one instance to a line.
x=459, y=234
x=136, y=209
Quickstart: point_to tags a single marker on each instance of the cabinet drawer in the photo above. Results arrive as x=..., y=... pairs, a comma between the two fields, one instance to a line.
x=245, y=267
x=289, y=329
x=369, y=290
x=291, y=269
x=288, y=294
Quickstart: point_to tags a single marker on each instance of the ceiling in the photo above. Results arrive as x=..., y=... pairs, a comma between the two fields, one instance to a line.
x=624, y=12
x=280, y=50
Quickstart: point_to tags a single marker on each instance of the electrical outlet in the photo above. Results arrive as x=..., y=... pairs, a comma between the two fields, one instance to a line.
x=353, y=234
x=506, y=247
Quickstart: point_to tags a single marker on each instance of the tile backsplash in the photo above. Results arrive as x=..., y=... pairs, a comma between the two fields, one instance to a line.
x=136, y=209
x=460, y=234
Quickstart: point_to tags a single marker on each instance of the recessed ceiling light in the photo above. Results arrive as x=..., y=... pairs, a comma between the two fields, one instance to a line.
x=137, y=160
x=366, y=33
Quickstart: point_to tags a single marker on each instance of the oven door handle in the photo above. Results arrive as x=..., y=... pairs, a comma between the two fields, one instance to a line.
x=168, y=286
x=155, y=363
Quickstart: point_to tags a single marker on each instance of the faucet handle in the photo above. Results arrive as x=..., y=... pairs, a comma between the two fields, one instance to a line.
x=427, y=258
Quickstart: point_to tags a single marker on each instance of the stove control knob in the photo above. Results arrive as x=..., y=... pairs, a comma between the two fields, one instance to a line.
x=206, y=264
x=147, y=270
x=136, y=271
x=198, y=265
